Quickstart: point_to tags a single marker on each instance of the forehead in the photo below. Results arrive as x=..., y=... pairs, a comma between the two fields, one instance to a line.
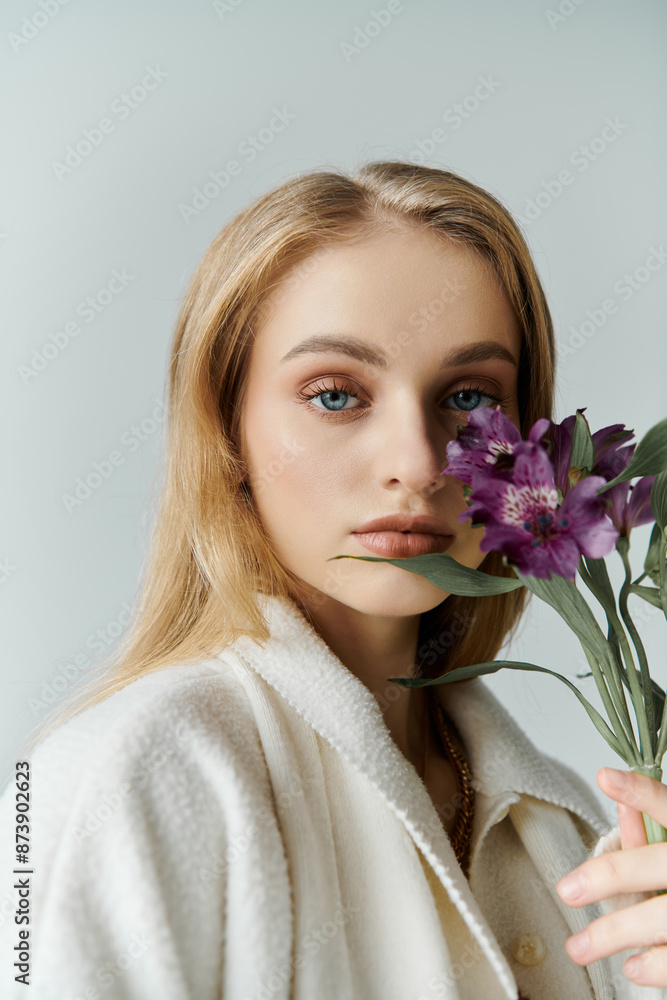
x=406, y=281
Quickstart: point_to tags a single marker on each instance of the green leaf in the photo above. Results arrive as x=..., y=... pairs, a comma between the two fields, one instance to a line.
x=655, y=553
x=449, y=575
x=659, y=499
x=649, y=594
x=583, y=449
x=478, y=669
x=648, y=459
x=567, y=600
x=597, y=569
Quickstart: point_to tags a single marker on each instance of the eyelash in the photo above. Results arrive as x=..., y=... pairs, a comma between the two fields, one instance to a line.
x=345, y=390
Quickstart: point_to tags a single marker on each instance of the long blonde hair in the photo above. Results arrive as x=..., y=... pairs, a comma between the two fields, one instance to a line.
x=209, y=554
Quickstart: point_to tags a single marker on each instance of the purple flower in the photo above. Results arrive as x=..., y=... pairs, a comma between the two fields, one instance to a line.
x=515, y=494
x=609, y=457
x=629, y=514
x=486, y=444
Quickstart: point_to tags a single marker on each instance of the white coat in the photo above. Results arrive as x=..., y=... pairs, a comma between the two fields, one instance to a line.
x=244, y=827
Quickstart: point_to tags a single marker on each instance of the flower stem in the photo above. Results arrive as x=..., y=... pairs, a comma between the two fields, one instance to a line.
x=663, y=574
x=662, y=738
x=655, y=832
x=613, y=626
x=631, y=754
x=648, y=738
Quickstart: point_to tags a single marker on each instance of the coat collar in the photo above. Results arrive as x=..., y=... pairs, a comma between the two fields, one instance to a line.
x=339, y=706
x=505, y=764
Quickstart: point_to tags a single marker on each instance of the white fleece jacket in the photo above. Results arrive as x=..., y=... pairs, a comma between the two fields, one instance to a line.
x=244, y=827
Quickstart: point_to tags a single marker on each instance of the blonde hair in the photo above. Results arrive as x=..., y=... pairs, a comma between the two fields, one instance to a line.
x=209, y=554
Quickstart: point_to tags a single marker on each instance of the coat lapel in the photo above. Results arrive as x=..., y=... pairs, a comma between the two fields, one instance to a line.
x=342, y=710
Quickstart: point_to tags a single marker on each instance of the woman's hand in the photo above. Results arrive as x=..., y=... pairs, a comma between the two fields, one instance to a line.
x=637, y=867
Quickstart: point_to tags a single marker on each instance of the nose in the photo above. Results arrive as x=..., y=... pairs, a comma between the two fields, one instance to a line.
x=412, y=450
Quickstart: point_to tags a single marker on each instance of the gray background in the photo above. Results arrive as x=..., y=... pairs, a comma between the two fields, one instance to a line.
x=219, y=72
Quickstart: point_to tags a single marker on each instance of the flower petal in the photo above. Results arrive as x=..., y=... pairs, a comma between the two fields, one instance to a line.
x=638, y=510
x=538, y=430
x=488, y=435
x=590, y=526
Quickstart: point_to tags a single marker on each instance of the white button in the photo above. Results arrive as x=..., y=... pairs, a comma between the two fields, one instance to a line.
x=529, y=949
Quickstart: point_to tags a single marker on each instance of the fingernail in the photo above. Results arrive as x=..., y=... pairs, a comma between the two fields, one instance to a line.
x=570, y=887
x=633, y=968
x=578, y=945
x=617, y=779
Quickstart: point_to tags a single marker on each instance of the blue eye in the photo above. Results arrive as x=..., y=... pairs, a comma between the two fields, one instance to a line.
x=339, y=402
x=468, y=405
x=337, y=398
x=334, y=398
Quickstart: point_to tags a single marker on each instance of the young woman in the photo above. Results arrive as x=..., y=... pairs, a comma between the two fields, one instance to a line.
x=248, y=807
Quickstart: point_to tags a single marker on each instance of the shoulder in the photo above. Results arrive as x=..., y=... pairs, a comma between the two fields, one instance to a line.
x=185, y=730
x=143, y=825
x=198, y=700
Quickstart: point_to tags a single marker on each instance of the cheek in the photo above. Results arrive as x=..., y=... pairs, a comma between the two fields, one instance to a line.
x=298, y=497
x=292, y=474
x=466, y=548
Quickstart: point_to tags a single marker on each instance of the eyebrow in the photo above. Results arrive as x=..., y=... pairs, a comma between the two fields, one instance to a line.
x=360, y=350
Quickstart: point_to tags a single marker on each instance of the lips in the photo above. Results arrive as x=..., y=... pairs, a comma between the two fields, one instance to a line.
x=420, y=523
x=400, y=544
x=402, y=535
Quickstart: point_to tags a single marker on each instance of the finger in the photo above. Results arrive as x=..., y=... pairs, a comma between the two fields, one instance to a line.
x=636, y=790
x=648, y=968
x=631, y=826
x=638, y=869
x=643, y=925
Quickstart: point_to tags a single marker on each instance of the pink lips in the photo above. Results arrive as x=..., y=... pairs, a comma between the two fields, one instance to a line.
x=398, y=544
x=400, y=535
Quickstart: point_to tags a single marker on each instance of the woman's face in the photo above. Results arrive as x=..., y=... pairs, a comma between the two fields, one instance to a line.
x=372, y=441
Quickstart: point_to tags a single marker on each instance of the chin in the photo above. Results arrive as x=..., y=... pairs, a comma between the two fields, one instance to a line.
x=402, y=599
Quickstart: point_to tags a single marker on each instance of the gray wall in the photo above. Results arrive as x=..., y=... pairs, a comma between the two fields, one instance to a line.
x=556, y=76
